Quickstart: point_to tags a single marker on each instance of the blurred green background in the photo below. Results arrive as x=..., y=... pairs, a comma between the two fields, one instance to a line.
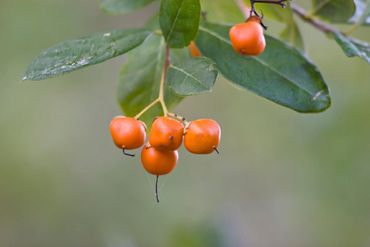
x=282, y=179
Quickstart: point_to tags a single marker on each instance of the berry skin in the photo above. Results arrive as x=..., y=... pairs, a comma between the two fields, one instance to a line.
x=202, y=136
x=194, y=51
x=248, y=38
x=158, y=162
x=127, y=133
x=166, y=134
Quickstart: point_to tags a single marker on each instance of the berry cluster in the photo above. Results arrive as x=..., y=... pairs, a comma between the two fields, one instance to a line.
x=159, y=156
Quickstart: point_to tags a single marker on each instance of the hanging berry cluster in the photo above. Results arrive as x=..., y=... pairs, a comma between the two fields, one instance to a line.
x=159, y=156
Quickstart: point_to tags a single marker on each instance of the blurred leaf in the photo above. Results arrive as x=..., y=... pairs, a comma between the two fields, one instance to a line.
x=281, y=74
x=221, y=11
x=362, y=15
x=292, y=35
x=179, y=20
x=75, y=54
x=334, y=10
x=140, y=79
x=123, y=6
x=200, y=235
x=353, y=47
x=192, y=76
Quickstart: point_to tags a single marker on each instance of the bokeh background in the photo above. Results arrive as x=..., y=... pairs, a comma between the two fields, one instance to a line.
x=282, y=179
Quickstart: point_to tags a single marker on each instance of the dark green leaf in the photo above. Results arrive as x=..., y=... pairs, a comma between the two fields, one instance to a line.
x=334, y=10
x=192, y=76
x=75, y=54
x=281, y=74
x=123, y=6
x=140, y=79
x=353, y=47
x=179, y=21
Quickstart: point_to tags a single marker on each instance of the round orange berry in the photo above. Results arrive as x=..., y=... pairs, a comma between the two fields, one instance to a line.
x=158, y=162
x=127, y=133
x=248, y=38
x=166, y=134
x=202, y=136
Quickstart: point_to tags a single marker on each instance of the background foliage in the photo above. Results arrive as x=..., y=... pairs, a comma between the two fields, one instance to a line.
x=283, y=179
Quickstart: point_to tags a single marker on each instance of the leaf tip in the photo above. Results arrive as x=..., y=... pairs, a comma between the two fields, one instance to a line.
x=321, y=101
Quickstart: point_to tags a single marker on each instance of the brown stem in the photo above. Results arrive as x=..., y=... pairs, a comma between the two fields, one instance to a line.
x=322, y=26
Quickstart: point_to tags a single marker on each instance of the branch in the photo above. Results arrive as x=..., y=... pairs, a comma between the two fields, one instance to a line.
x=322, y=26
x=243, y=8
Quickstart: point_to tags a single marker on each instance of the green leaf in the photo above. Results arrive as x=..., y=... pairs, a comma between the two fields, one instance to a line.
x=334, y=10
x=179, y=21
x=192, y=76
x=221, y=11
x=281, y=74
x=140, y=80
x=353, y=47
x=123, y=6
x=362, y=15
x=293, y=35
x=78, y=53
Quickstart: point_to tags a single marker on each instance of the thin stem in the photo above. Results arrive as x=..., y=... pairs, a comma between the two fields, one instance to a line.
x=161, y=95
x=303, y=14
x=156, y=189
x=127, y=154
x=147, y=108
x=163, y=81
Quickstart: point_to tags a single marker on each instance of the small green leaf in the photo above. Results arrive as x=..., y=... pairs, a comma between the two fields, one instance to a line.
x=334, y=10
x=192, y=76
x=179, y=21
x=281, y=74
x=140, y=80
x=123, y=6
x=353, y=47
x=78, y=53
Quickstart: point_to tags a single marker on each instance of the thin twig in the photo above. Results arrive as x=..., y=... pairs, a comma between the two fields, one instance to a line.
x=161, y=96
x=243, y=8
x=303, y=14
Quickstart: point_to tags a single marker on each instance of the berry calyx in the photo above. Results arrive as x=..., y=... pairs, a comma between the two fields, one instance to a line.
x=158, y=162
x=248, y=38
x=127, y=133
x=194, y=50
x=202, y=136
x=166, y=134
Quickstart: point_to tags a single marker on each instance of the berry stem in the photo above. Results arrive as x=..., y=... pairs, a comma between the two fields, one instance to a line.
x=147, y=108
x=127, y=154
x=161, y=96
x=156, y=189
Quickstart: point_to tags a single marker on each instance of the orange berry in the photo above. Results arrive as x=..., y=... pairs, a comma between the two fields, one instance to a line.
x=202, y=136
x=166, y=134
x=194, y=51
x=248, y=38
x=127, y=133
x=158, y=162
